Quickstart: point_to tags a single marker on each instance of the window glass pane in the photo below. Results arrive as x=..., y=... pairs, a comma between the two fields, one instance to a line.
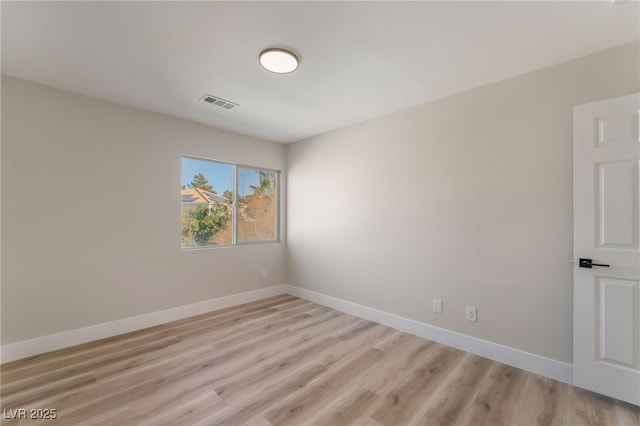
x=207, y=194
x=256, y=208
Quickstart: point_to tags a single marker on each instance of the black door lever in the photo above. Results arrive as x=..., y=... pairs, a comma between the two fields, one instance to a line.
x=588, y=263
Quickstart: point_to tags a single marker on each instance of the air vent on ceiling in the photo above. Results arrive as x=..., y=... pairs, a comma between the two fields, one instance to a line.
x=222, y=103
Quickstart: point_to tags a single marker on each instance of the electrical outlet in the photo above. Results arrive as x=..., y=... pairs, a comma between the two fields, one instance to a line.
x=437, y=306
x=472, y=314
x=263, y=274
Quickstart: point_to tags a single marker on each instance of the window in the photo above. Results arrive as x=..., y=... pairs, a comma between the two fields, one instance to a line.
x=227, y=204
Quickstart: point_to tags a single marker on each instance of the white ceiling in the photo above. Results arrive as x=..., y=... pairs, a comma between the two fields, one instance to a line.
x=359, y=60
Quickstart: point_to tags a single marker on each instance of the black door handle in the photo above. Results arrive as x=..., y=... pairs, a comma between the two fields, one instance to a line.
x=588, y=263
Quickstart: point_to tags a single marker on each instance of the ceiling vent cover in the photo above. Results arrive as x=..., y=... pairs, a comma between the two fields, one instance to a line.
x=219, y=102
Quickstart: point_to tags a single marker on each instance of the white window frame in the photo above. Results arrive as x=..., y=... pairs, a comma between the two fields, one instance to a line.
x=234, y=209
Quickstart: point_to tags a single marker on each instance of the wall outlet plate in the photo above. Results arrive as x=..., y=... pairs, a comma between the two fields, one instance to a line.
x=472, y=314
x=437, y=306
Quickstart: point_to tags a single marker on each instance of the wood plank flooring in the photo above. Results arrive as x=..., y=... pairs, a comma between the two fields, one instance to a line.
x=286, y=361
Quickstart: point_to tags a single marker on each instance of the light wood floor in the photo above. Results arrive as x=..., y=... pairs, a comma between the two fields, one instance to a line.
x=286, y=361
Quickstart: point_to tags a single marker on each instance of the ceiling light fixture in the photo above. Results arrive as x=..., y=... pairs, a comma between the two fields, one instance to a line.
x=279, y=61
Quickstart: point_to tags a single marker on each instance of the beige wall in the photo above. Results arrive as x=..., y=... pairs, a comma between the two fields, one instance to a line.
x=91, y=213
x=467, y=199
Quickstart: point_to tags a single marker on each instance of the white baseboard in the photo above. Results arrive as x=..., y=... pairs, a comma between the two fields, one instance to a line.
x=527, y=361
x=537, y=364
x=65, y=339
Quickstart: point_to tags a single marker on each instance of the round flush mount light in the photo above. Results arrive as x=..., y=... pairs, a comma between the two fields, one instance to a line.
x=279, y=61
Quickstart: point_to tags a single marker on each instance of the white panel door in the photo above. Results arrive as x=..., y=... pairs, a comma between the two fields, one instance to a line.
x=606, y=304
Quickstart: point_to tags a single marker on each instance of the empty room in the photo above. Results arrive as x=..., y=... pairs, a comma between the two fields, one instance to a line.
x=320, y=213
